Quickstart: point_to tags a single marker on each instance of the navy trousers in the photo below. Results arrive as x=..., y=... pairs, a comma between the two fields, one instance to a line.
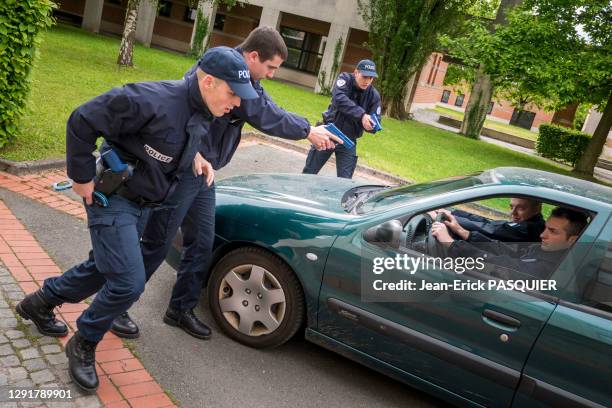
x=346, y=160
x=192, y=207
x=118, y=273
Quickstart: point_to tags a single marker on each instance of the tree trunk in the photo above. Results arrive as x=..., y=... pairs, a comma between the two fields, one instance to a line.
x=126, y=50
x=565, y=117
x=586, y=163
x=476, y=110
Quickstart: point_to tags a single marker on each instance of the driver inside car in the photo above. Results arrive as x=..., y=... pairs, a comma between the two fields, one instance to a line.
x=525, y=225
x=562, y=229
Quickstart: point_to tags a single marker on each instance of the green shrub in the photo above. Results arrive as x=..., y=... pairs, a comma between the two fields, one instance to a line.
x=559, y=143
x=20, y=23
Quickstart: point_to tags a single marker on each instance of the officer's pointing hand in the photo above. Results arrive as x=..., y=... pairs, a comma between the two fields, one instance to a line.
x=366, y=122
x=84, y=190
x=321, y=139
x=203, y=166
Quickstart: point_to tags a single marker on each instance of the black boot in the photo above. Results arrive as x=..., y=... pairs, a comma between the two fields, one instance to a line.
x=123, y=326
x=82, y=362
x=187, y=320
x=36, y=308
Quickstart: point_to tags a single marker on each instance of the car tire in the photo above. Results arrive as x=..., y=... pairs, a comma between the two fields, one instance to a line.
x=256, y=298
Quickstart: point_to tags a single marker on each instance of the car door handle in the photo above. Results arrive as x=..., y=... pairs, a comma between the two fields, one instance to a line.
x=501, y=319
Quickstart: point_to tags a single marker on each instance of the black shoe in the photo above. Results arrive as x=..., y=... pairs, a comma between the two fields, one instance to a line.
x=187, y=320
x=82, y=362
x=37, y=309
x=123, y=326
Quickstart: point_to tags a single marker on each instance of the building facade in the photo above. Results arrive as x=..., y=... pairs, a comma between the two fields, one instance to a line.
x=313, y=30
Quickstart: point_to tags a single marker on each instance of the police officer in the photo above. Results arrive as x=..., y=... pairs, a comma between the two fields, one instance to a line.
x=157, y=127
x=193, y=200
x=538, y=260
x=354, y=99
x=526, y=223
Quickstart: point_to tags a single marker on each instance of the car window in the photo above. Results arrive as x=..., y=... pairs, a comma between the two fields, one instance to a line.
x=401, y=195
x=598, y=292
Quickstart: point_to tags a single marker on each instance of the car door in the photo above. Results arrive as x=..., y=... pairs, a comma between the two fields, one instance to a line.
x=471, y=345
x=571, y=362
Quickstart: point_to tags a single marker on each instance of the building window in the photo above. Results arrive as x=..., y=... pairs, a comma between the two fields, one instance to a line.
x=459, y=100
x=190, y=14
x=164, y=8
x=305, y=49
x=491, y=104
x=219, y=22
x=445, y=96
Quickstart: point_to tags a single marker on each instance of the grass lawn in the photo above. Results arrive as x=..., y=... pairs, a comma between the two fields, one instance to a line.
x=74, y=66
x=492, y=124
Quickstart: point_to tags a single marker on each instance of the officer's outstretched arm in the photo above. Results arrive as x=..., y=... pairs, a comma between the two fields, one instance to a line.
x=264, y=115
x=341, y=100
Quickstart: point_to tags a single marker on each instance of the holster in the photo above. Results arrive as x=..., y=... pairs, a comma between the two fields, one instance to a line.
x=107, y=181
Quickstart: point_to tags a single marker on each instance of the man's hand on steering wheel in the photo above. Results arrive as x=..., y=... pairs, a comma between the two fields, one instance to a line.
x=440, y=232
x=453, y=225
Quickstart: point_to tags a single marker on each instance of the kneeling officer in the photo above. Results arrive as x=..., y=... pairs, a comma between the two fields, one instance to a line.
x=157, y=127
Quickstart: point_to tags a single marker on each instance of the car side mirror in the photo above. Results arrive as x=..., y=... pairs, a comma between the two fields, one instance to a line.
x=386, y=233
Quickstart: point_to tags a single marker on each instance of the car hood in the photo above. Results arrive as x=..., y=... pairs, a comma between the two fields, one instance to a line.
x=304, y=190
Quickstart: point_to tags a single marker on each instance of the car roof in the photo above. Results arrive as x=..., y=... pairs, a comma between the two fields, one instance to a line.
x=520, y=176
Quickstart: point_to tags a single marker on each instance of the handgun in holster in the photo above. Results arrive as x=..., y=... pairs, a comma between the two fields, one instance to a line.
x=111, y=173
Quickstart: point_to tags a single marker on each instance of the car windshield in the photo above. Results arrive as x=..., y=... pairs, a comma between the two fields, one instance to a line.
x=410, y=192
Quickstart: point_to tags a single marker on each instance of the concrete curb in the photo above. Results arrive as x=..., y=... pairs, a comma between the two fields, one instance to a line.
x=29, y=167
x=262, y=138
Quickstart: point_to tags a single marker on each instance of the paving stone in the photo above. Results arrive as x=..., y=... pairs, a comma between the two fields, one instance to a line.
x=8, y=322
x=29, y=353
x=90, y=401
x=6, y=313
x=40, y=377
x=47, y=340
x=3, y=339
x=3, y=304
x=11, y=287
x=56, y=359
x=15, y=297
x=6, y=350
x=51, y=349
x=27, y=383
x=14, y=334
x=6, y=279
x=32, y=404
x=4, y=272
x=35, y=364
x=21, y=343
x=9, y=405
x=10, y=361
x=3, y=379
x=17, y=374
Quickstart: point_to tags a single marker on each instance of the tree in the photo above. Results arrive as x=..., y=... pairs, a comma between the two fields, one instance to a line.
x=562, y=49
x=402, y=36
x=474, y=49
x=126, y=50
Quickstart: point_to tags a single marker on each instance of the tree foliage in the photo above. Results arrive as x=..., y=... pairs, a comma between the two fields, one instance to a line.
x=402, y=35
x=20, y=24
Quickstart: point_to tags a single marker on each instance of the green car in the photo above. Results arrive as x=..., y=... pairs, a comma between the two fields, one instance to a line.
x=296, y=251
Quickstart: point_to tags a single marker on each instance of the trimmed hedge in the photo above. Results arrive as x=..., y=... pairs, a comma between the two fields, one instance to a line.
x=20, y=23
x=563, y=144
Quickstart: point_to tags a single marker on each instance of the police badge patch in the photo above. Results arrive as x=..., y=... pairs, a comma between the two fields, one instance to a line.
x=340, y=83
x=378, y=110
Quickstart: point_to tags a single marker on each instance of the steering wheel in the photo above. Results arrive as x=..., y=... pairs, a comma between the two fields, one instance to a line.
x=435, y=248
x=416, y=231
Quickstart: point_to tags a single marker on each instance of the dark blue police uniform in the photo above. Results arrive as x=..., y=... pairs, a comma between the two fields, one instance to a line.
x=192, y=205
x=157, y=126
x=504, y=231
x=348, y=105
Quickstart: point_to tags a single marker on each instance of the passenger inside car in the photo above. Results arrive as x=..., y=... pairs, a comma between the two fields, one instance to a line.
x=525, y=225
x=562, y=229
